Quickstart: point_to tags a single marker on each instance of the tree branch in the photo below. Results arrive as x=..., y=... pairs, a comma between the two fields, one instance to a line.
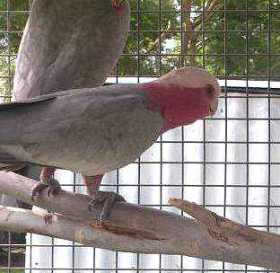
x=207, y=14
x=166, y=34
x=187, y=33
x=138, y=229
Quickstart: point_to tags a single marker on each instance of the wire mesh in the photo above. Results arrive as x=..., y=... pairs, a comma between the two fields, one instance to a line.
x=236, y=40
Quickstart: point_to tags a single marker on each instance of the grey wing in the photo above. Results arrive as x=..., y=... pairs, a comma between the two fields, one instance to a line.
x=80, y=111
x=111, y=136
x=97, y=129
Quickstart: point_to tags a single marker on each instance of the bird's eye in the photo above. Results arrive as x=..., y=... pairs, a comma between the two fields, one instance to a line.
x=210, y=91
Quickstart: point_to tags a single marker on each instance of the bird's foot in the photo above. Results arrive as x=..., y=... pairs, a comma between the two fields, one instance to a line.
x=50, y=183
x=107, y=201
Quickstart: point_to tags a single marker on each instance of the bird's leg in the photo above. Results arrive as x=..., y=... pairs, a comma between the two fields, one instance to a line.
x=106, y=199
x=47, y=181
x=92, y=184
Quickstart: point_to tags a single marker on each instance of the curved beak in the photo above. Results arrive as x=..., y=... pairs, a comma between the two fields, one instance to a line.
x=213, y=107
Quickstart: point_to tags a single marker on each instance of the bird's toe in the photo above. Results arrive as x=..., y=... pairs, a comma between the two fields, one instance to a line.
x=104, y=201
x=51, y=184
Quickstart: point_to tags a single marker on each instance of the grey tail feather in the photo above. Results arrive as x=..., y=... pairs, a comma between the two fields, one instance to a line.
x=12, y=167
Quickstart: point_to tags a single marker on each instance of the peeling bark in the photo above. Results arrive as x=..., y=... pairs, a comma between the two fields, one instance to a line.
x=137, y=229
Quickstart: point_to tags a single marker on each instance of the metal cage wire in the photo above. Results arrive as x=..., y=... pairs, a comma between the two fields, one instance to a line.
x=246, y=95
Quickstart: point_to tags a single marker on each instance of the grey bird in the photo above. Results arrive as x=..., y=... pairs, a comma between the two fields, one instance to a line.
x=70, y=44
x=66, y=45
x=96, y=130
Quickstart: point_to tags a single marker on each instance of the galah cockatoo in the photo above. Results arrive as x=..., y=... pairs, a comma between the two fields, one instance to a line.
x=66, y=45
x=96, y=130
x=70, y=44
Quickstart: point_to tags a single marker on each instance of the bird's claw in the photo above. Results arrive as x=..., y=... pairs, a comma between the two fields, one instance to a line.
x=107, y=201
x=48, y=218
x=51, y=184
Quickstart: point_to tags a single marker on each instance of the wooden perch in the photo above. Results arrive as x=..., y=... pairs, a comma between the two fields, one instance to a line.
x=137, y=229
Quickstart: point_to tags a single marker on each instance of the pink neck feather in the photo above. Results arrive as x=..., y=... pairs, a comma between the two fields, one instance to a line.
x=177, y=105
x=118, y=7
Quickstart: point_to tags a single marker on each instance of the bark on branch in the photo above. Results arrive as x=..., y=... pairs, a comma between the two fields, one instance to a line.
x=137, y=229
